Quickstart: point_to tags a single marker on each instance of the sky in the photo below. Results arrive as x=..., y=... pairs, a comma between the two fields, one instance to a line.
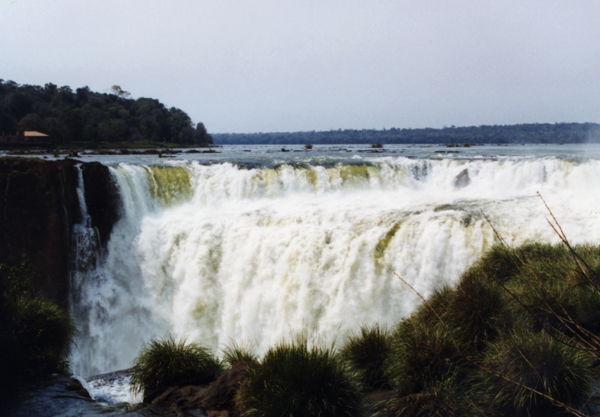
x=243, y=66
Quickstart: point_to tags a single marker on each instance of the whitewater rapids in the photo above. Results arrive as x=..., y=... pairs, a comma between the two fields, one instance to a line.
x=220, y=253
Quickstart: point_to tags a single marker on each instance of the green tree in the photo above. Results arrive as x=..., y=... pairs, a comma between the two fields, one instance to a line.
x=32, y=121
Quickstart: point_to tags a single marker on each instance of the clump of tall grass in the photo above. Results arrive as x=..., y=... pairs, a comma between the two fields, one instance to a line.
x=165, y=363
x=44, y=334
x=35, y=333
x=474, y=310
x=420, y=354
x=234, y=353
x=518, y=334
x=295, y=380
x=444, y=397
x=540, y=362
x=366, y=352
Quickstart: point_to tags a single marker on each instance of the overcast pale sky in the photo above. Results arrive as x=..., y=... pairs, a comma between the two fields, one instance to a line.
x=290, y=65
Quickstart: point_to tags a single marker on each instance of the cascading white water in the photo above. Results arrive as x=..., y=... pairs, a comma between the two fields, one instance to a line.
x=215, y=253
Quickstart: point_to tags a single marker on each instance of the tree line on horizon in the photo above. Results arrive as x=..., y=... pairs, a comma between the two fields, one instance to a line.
x=86, y=116
x=485, y=134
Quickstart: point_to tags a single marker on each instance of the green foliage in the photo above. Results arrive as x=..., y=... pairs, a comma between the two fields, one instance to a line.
x=295, y=380
x=419, y=355
x=234, y=353
x=474, y=310
x=168, y=363
x=44, y=333
x=524, y=314
x=88, y=117
x=366, y=352
x=538, y=361
x=16, y=280
x=547, y=282
x=35, y=334
x=444, y=397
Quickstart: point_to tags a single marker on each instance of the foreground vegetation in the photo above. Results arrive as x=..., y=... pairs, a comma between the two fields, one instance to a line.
x=35, y=333
x=519, y=335
x=169, y=363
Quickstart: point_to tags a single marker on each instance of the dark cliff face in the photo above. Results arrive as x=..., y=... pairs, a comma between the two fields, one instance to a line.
x=38, y=208
x=102, y=198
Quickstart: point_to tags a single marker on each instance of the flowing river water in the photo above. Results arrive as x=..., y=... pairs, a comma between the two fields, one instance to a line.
x=253, y=247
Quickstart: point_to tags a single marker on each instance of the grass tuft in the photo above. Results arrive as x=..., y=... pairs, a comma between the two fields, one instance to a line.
x=366, y=352
x=234, y=353
x=168, y=363
x=474, y=309
x=44, y=333
x=445, y=397
x=419, y=355
x=35, y=333
x=541, y=362
x=295, y=380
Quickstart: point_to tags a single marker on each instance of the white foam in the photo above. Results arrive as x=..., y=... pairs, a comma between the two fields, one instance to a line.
x=254, y=255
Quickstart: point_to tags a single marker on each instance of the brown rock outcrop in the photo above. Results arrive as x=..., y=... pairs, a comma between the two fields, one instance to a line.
x=216, y=398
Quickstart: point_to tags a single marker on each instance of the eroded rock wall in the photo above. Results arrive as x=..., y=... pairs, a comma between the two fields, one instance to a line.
x=38, y=208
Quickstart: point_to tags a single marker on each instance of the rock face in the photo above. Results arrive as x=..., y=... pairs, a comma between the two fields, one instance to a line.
x=38, y=208
x=102, y=198
x=53, y=396
x=217, y=397
x=462, y=179
x=38, y=205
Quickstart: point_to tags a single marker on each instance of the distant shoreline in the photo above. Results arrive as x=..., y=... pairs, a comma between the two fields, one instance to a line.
x=517, y=134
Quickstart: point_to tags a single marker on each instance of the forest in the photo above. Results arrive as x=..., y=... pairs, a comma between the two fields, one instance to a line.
x=521, y=133
x=85, y=116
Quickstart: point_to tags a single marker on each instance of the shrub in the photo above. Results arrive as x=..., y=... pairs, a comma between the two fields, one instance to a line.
x=167, y=363
x=474, y=310
x=35, y=333
x=366, y=353
x=548, y=283
x=294, y=380
x=439, y=301
x=44, y=334
x=541, y=362
x=234, y=353
x=420, y=354
x=443, y=398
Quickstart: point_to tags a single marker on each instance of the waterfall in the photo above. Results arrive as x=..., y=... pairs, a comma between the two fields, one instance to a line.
x=218, y=253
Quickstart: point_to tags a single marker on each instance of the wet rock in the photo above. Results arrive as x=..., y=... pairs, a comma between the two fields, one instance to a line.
x=462, y=179
x=75, y=386
x=38, y=207
x=102, y=198
x=49, y=397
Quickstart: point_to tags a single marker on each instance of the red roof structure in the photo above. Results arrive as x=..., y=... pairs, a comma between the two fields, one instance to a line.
x=26, y=137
